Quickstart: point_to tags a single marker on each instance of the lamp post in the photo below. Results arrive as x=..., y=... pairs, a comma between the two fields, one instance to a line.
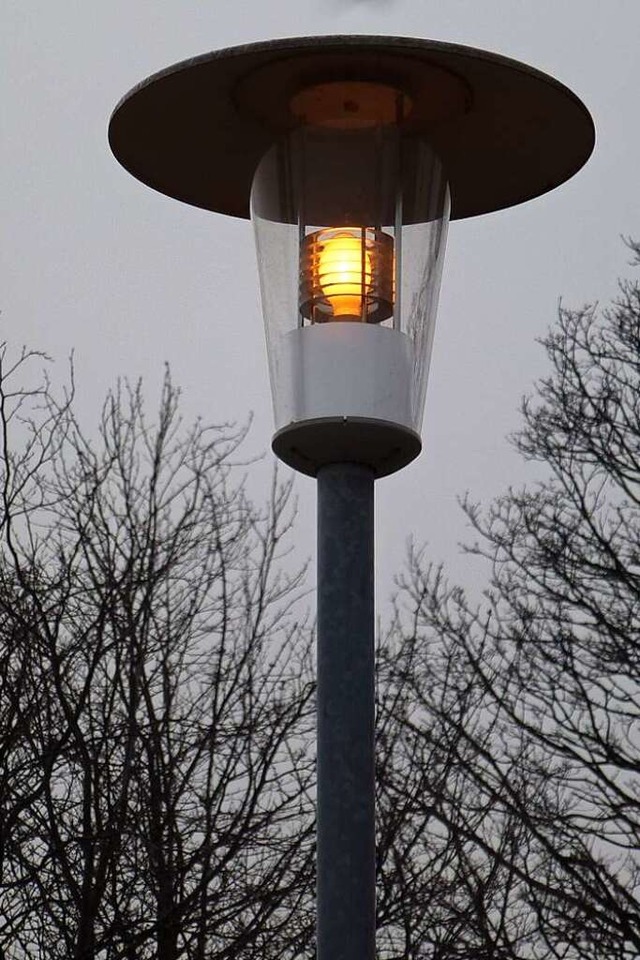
x=350, y=154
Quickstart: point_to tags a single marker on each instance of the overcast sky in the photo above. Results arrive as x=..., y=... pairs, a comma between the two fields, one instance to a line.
x=95, y=262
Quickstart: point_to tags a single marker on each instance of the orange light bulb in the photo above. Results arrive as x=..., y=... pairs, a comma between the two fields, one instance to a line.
x=346, y=273
x=343, y=272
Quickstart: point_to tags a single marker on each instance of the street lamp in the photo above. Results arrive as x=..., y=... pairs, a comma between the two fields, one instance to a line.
x=350, y=154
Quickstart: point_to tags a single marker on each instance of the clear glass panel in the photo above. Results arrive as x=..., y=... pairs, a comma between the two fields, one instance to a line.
x=424, y=235
x=350, y=228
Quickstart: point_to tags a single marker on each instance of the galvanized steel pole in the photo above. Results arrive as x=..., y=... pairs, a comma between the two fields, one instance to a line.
x=346, y=704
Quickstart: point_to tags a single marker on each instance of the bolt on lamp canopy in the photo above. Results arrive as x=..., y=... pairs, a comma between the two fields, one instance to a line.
x=350, y=154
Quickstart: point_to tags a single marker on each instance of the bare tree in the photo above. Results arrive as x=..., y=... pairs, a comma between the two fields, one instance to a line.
x=534, y=696
x=156, y=755
x=155, y=763
x=156, y=758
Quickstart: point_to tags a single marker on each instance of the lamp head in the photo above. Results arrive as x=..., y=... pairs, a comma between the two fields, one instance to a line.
x=351, y=154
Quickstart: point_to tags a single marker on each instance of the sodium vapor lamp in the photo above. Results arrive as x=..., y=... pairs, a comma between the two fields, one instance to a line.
x=351, y=155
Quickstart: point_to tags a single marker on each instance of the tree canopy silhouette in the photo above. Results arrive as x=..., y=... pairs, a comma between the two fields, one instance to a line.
x=157, y=768
x=154, y=689
x=535, y=693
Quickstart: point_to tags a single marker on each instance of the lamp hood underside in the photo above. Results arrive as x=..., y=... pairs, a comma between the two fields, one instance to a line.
x=505, y=132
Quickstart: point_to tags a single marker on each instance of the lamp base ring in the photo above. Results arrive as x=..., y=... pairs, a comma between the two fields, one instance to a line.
x=380, y=444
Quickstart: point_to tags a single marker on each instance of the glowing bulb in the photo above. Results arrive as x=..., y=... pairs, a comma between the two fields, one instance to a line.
x=344, y=271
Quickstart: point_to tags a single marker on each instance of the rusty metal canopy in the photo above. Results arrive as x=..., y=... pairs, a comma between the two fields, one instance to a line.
x=504, y=131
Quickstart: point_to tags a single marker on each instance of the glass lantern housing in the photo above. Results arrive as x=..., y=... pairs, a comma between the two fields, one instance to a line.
x=351, y=208
x=350, y=220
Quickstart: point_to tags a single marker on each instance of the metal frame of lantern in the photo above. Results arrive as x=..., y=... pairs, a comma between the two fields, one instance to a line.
x=349, y=298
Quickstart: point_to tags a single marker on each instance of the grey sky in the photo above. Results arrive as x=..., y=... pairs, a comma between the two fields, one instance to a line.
x=94, y=261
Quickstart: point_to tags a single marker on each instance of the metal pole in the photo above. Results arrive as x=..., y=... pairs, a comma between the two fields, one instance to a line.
x=346, y=879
